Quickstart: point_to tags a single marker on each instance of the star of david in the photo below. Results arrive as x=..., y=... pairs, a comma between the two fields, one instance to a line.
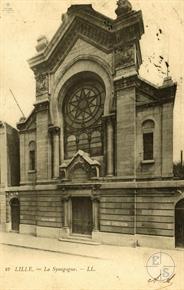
x=82, y=105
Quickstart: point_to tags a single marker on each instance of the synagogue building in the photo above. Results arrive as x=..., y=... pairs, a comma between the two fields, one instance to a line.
x=96, y=152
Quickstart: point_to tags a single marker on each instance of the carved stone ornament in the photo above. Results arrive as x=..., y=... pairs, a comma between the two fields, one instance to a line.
x=65, y=198
x=124, y=6
x=42, y=106
x=80, y=168
x=11, y=195
x=54, y=130
x=41, y=84
x=95, y=198
x=124, y=56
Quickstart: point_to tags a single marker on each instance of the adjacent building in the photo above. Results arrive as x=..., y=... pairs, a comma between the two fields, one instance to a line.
x=9, y=168
x=96, y=153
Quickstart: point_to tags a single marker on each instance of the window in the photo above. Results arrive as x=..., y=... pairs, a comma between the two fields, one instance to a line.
x=71, y=146
x=148, y=146
x=84, y=142
x=82, y=110
x=32, y=156
x=96, y=143
x=148, y=140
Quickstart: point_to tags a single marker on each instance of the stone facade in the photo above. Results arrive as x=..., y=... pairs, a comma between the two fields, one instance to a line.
x=97, y=150
x=9, y=165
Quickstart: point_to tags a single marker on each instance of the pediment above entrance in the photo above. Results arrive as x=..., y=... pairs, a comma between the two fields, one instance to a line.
x=80, y=168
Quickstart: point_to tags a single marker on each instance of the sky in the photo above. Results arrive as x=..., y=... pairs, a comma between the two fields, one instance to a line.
x=22, y=22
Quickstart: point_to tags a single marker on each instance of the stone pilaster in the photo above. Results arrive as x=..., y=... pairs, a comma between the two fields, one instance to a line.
x=95, y=198
x=95, y=207
x=42, y=120
x=109, y=120
x=66, y=223
x=55, y=131
x=126, y=127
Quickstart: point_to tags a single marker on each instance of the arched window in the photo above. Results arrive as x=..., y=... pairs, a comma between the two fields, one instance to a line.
x=148, y=139
x=71, y=146
x=96, y=143
x=82, y=110
x=32, y=155
x=84, y=142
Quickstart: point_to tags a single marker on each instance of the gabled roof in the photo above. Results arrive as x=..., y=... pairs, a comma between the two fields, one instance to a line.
x=82, y=21
x=148, y=93
x=85, y=156
x=28, y=123
x=158, y=94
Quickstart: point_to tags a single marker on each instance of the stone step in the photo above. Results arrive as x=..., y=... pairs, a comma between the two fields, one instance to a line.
x=79, y=240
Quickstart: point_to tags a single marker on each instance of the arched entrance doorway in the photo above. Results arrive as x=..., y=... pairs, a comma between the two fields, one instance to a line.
x=15, y=214
x=179, y=224
x=81, y=215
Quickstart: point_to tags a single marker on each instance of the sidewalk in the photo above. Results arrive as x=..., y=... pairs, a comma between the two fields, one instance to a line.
x=98, y=251
x=52, y=245
x=115, y=267
x=69, y=248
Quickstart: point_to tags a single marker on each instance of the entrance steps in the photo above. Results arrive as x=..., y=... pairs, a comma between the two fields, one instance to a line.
x=80, y=239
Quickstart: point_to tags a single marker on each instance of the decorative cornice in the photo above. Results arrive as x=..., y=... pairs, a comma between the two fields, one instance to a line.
x=122, y=83
x=157, y=95
x=109, y=118
x=95, y=198
x=42, y=106
x=65, y=198
x=54, y=130
x=95, y=28
x=11, y=195
x=24, y=131
x=66, y=187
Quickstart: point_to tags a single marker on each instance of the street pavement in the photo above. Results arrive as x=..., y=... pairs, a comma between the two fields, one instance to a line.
x=81, y=267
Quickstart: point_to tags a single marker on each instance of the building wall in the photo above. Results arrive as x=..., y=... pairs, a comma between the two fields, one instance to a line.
x=13, y=157
x=126, y=133
x=2, y=209
x=3, y=156
x=41, y=208
x=149, y=169
x=42, y=145
x=82, y=48
x=146, y=214
x=140, y=211
x=9, y=166
x=117, y=211
x=25, y=139
x=167, y=139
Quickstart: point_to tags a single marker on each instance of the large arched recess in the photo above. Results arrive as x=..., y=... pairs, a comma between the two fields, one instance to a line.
x=85, y=66
x=80, y=64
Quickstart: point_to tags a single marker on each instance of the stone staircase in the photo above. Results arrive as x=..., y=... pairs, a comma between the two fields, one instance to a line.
x=79, y=239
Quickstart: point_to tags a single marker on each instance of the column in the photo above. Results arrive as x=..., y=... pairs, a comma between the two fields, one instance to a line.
x=95, y=205
x=110, y=149
x=65, y=200
x=56, y=150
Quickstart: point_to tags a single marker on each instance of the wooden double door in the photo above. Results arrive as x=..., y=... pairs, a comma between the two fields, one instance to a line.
x=81, y=215
x=179, y=224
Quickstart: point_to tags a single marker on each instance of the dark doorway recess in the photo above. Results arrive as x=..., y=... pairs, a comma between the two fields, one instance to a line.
x=15, y=214
x=81, y=215
x=179, y=224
